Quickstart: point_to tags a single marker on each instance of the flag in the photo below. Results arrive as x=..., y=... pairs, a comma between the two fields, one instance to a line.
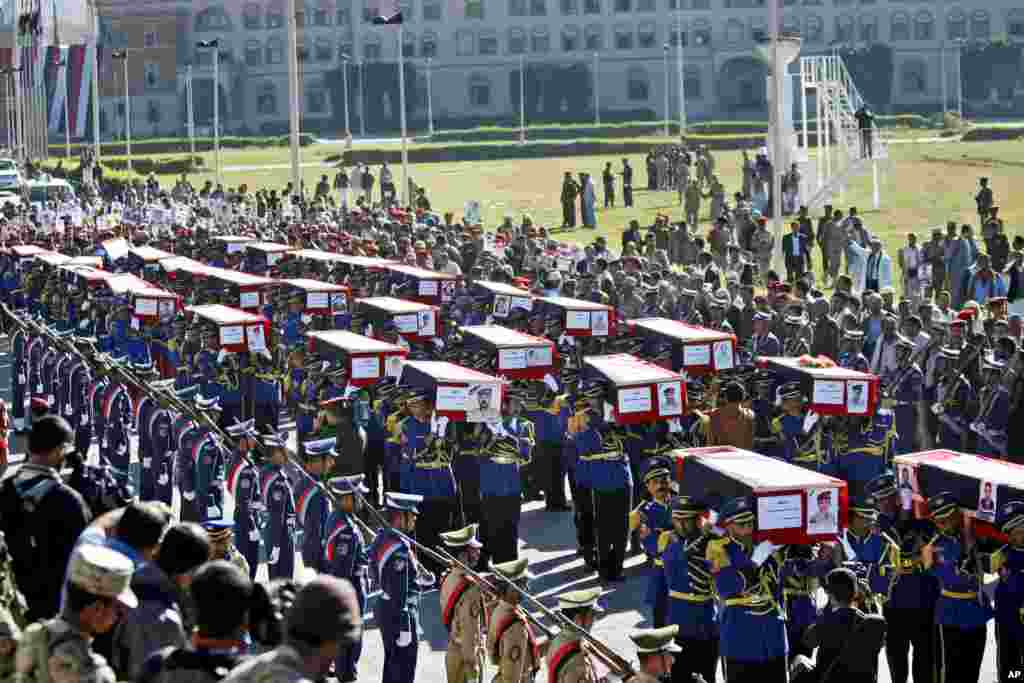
x=391, y=20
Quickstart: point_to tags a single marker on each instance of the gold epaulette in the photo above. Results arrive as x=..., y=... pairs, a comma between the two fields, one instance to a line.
x=665, y=539
x=636, y=519
x=717, y=554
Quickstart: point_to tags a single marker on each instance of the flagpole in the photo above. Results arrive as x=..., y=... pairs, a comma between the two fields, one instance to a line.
x=401, y=104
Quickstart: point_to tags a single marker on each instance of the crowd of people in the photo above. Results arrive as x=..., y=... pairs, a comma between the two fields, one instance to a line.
x=381, y=498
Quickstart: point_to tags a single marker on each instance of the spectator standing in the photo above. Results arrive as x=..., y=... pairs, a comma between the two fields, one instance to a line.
x=910, y=259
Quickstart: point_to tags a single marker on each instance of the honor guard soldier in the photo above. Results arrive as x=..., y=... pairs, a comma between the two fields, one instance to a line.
x=963, y=610
x=994, y=414
x=585, y=438
x=651, y=519
x=862, y=545
x=345, y=557
x=763, y=342
x=462, y=609
x=511, y=643
x=568, y=661
x=550, y=417
x=222, y=546
x=851, y=351
x=243, y=482
x=117, y=416
x=799, y=577
x=466, y=467
x=611, y=482
x=694, y=425
x=323, y=619
x=312, y=507
x=906, y=391
x=502, y=459
x=400, y=577
x=753, y=630
x=1008, y=564
x=657, y=651
x=799, y=443
x=98, y=583
x=193, y=505
x=867, y=451
x=796, y=344
x=158, y=472
x=954, y=396
x=294, y=329
x=281, y=526
x=210, y=461
x=691, y=599
x=264, y=389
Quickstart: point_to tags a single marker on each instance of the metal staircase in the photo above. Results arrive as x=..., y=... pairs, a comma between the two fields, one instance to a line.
x=835, y=134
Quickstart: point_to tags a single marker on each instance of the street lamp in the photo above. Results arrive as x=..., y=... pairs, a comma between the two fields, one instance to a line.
x=63, y=64
x=597, y=92
x=123, y=56
x=430, y=101
x=665, y=64
x=215, y=46
x=344, y=86
x=396, y=19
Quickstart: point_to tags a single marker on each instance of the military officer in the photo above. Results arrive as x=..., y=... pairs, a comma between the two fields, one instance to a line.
x=209, y=459
x=650, y=519
x=511, y=643
x=550, y=417
x=277, y=495
x=567, y=660
x=400, y=577
x=753, y=633
x=345, y=557
x=243, y=482
x=994, y=415
x=312, y=507
x=851, y=353
x=763, y=342
x=1008, y=564
x=906, y=390
x=222, y=546
x=656, y=649
x=158, y=464
x=963, y=609
x=264, y=389
x=691, y=604
x=862, y=543
x=799, y=441
x=954, y=396
x=867, y=449
x=462, y=609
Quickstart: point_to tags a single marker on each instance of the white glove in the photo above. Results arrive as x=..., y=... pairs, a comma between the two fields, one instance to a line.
x=404, y=639
x=266, y=354
x=222, y=355
x=162, y=480
x=550, y=382
x=763, y=551
x=275, y=555
x=189, y=495
x=810, y=421
x=612, y=678
x=306, y=318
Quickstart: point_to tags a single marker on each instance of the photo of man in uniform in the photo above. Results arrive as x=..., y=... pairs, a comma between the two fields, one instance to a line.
x=823, y=520
x=987, y=502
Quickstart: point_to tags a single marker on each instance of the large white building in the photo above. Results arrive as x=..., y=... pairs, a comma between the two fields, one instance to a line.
x=473, y=50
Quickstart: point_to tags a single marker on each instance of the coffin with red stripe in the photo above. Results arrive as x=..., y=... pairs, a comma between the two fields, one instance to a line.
x=413, y=320
x=319, y=298
x=515, y=355
x=833, y=390
x=238, y=331
x=579, y=318
x=368, y=360
x=695, y=350
x=638, y=391
x=458, y=393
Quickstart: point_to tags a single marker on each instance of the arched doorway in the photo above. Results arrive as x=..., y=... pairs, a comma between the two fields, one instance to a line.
x=742, y=85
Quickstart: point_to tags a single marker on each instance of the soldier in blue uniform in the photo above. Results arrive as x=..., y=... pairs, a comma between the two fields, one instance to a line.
x=264, y=390
x=549, y=413
x=312, y=507
x=466, y=466
x=210, y=463
x=81, y=409
x=906, y=390
x=20, y=342
x=994, y=415
x=400, y=577
x=585, y=438
x=611, y=482
x=294, y=329
x=207, y=363
x=651, y=519
x=862, y=544
x=851, y=351
x=277, y=495
x=799, y=446
x=963, y=610
x=1008, y=564
x=753, y=628
x=117, y=416
x=689, y=588
x=194, y=500
x=243, y=483
x=954, y=396
x=345, y=556
x=867, y=450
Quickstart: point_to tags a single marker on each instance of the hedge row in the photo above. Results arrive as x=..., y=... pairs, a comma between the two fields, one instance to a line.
x=993, y=134
x=181, y=145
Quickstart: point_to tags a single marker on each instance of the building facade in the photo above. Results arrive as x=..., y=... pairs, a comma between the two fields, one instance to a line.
x=471, y=52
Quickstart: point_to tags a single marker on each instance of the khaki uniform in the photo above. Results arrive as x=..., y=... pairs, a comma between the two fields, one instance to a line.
x=462, y=610
x=568, y=661
x=281, y=665
x=511, y=646
x=57, y=651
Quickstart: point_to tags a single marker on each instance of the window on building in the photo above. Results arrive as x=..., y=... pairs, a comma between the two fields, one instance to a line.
x=371, y=48
x=487, y=42
x=151, y=75
x=646, y=5
x=735, y=31
x=323, y=50
x=956, y=25
x=623, y=5
x=677, y=34
x=842, y=3
x=150, y=39
x=912, y=76
x=594, y=38
x=465, y=43
x=638, y=85
x=431, y=10
x=275, y=14
x=516, y=41
x=924, y=26
x=316, y=100
x=343, y=13
x=899, y=27
x=275, y=51
x=868, y=28
x=474, y=9
x=538, y=8
x=479, y=91
x=517, y=8
x=266, y=101
x=844, y=29
x=345, y=49
x=700, y=33
x=540, y=40
x=408, y=45
x=1015, y=28
x=570, y=39
x=203, y=58
x=212, y=19
x=791, y=24
x=623, y=38
x=980, y=26
x=692, y=83
x=428, y=44
x=252, y=16
x=646, y=35
x=253, y=53
x=814, y=29
x=591, y=6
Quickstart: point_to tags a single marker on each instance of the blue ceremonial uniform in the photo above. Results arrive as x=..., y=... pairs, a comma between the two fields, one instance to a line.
x=995, y=418
x=1008, y=563
x=954, y=421
x=19, y=372
x=867, y=452
x=906, y=394
x=765, y=345
x=691, y=602
x=244, y=485
x=398, y=607
x=185, y=467
x=501, y=487
x=428, y=473
x=81, y=409
x=854, y=361
x=799, y=577
x=466, y=467
x=312, y=510
x=585, y=442
x=656, y=518
x=611, y=484
x=345, y=556
x=265, y=391
x=293, y=330
x=158, y=466
x=551, y=423
x=117, y=416
x=796, y=447
x=210, y=464
x=281, y=523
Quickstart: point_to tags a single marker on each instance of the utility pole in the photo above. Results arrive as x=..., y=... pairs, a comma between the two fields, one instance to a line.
x=293, y=96
x=122, y=55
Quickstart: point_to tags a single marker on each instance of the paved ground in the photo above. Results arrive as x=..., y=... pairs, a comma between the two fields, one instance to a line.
x=548, y=540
